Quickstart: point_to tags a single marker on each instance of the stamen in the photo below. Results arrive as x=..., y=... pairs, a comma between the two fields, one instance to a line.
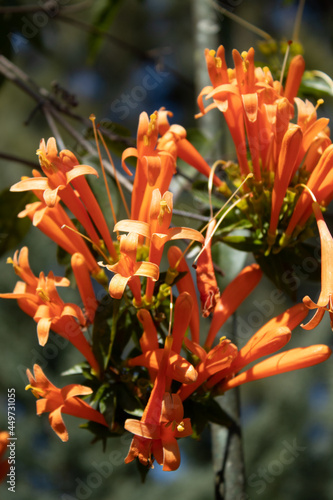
x=115, y=175
x=64, y=226
x=42, y=294
x=181, y=427
x=241, y=21
x=285, y=63
x=92, y=119
x=308, y=190
x=249, y=176
x=35, y=391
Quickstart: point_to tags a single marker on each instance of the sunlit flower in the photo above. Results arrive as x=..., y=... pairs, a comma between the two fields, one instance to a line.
x=231, y=298
x=51, y=221
x=172, y=425
x=178, y=265
x=216, y=360
x=178, y=368
x=57, y=401
x=294, y=359
x=158, y=231
x=38, y=297
x=206, y=279
x=325, y=301
x=128, y=271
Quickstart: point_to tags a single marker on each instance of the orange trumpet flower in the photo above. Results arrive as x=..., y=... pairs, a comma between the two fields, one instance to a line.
x=287, y=361
x=161, y=424
x=271, y=337
x=178, y=368
x=57, y=401
x=178, y=265
x=128, y=270
x=206, y=279
x=231, y=298
x=325, y=301
x=217, y=359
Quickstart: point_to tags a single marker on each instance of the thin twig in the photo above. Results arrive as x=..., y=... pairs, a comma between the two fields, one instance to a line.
x=18, y=159
x=251, y=27
x=148, y=56
x=46, y=102
x=31, y=8
x=53, y=127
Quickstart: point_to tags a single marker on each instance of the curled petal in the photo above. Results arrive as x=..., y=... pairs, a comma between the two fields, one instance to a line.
x=185, y=233
x=126, y=154
x=117, y=286
x=69, y=391
x=171, y=454
x=142, y=429
x=147, y=269
x=43, y=330
x=33, y=184
x=57, y=424
x=133, y=226
x=79, y=171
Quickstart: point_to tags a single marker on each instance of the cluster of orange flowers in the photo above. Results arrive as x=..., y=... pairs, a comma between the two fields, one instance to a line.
x=282, y=156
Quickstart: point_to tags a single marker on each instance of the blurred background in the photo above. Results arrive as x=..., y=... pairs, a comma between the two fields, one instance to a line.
x=94, y=57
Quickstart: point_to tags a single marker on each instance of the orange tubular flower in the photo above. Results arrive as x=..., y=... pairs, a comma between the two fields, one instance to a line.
x=186, y=284
x=177, y=368
x=231, y=298
x=319, y=175
x=325, y=301
x=287, y=361
x=128, y=270
x=50, y=222
x=4, y=465
x=82, y=277
x=217, y=359
x=294, y=77
x=147, y=158
x=268, y=339
x=57, y=401
x=67, y=161
x=158, y=231
x=148, y=427
x=206, y=280
x=57, y=183
x=185, y=150
x=290, y=147
x=172, y=425
x=39, y=299
x=161, y=424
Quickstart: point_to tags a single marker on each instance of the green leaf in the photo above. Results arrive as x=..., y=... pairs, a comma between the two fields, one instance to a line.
x=204, y=410
x=105, y=11
x=13, y=229
x=242, y=243
x=128, y=402
x=101, y=337
x=75, y=370
x=316, y=83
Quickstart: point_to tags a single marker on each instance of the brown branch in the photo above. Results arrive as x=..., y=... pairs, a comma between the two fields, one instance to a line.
x=31, y=8
x=45, y=101
x=149, y=56
x=18, y=159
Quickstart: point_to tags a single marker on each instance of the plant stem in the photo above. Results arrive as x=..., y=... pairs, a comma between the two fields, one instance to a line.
x=227, y=451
